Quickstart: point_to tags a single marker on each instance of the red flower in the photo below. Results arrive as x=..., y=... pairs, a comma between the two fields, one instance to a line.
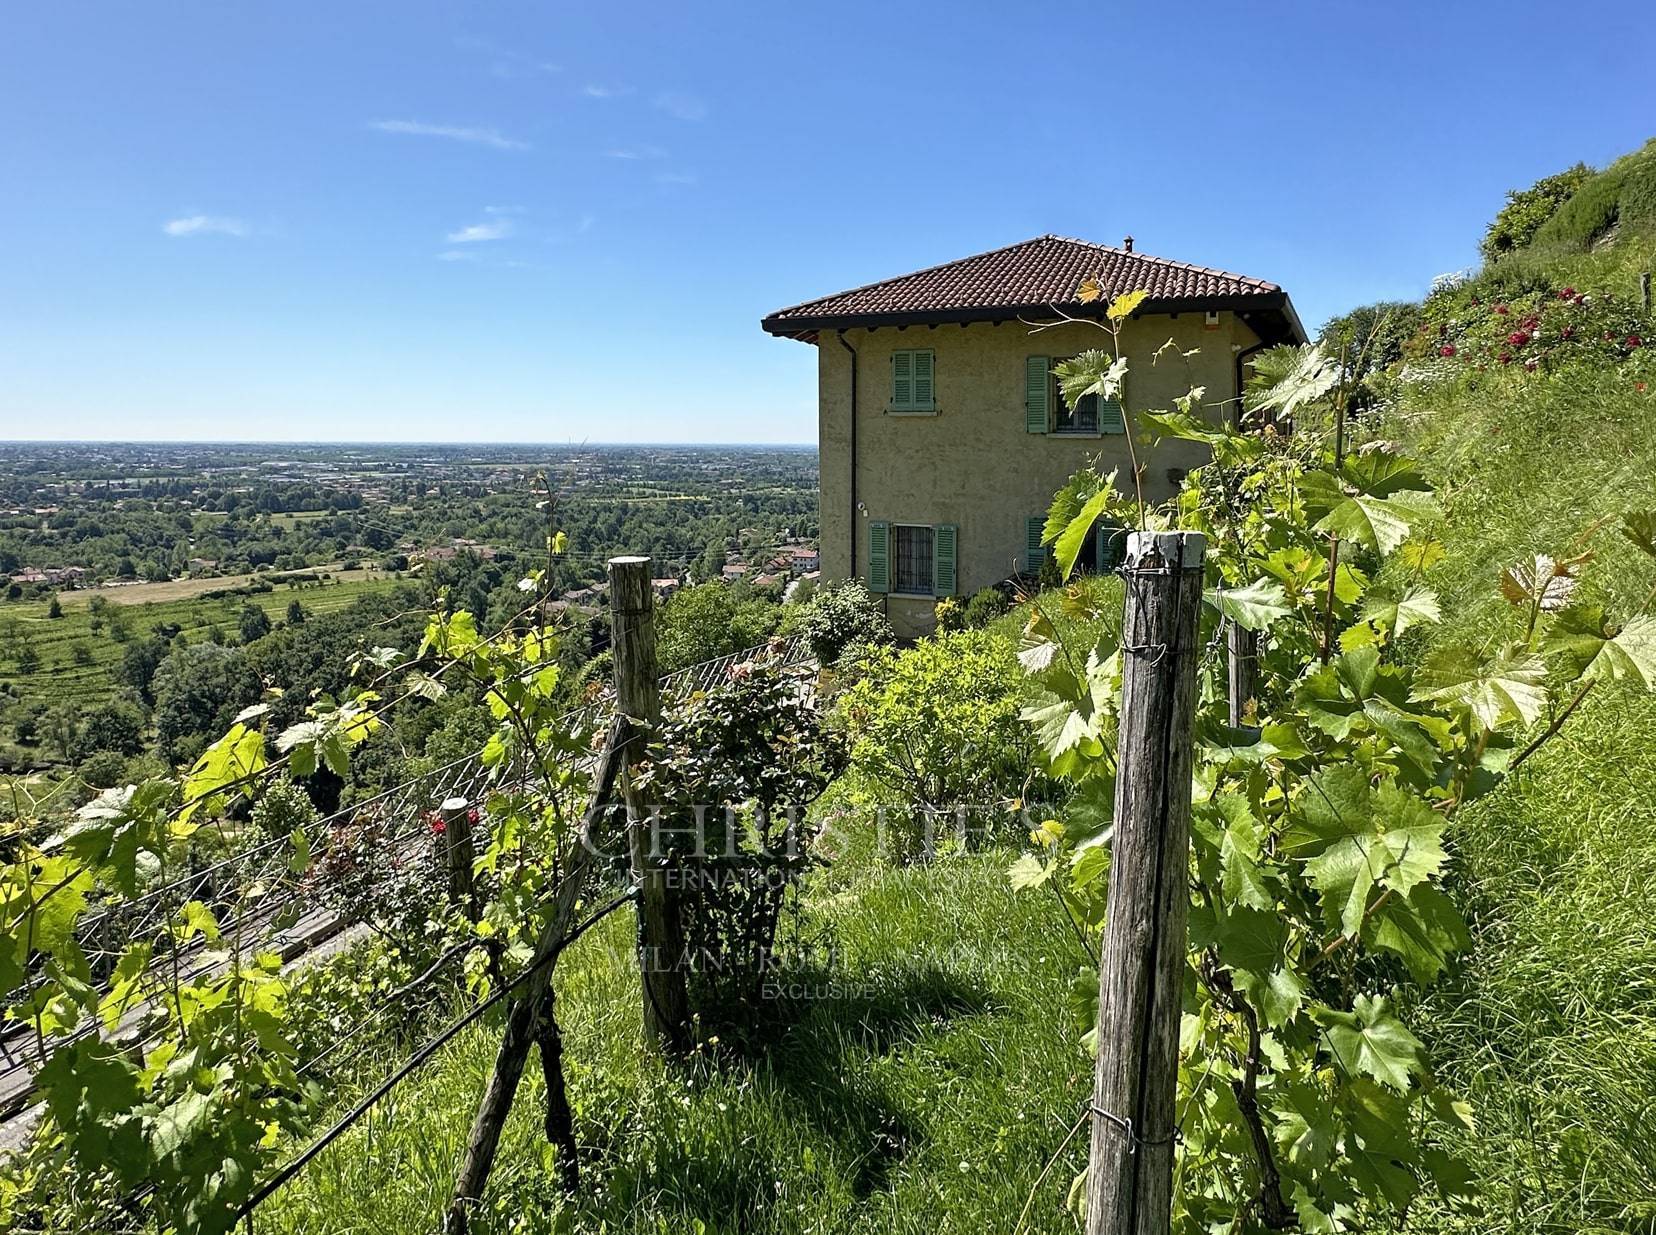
x=471, y=815
x=438, y=827
x=1633, y=340
x=1518, y=338
x=1639, y=386
x=1501, y=309
x=1504, y=358
x=1567, y=294
x=1568, y=332
x=1448, y=349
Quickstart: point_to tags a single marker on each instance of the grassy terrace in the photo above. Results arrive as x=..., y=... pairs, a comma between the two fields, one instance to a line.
x=921, y=1089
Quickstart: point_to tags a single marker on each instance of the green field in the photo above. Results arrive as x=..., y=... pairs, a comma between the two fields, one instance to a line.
x=55, y=639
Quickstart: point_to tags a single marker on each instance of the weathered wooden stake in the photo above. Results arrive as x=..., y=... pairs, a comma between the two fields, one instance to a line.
x=1644, y=290
x=1141, y=967
x=660, y=939
x=524, y=1013
x=460, y=855
x=1242, y=648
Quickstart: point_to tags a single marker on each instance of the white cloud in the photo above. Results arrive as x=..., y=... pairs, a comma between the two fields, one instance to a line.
x=636, y=152
x=681, y=106
x=455, y=255
x=203, y=224
x=593, y=91
x=506, y=62
x=460, y=133
x=497, y=229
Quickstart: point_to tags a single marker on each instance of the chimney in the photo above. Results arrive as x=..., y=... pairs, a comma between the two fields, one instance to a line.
x=1127, y=244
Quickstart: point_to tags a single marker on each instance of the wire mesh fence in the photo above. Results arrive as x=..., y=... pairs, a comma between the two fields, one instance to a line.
x=262, y=903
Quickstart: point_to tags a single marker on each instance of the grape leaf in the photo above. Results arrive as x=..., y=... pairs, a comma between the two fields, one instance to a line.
x=1544, y=582
x=1254, y=607
x=1639, y=526
x=1374, y=499
x=1422, y=929
x=1069, y=543
x=1598, y=649
x=1370, y=1041
x=1510, y=685
x=1304, y=1124
x=1417, y=605
x=1242, y=877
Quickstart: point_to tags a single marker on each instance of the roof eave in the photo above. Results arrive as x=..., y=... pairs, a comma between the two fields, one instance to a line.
x=786, y=325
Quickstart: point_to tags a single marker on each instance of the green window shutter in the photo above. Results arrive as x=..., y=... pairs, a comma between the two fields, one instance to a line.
x=1112, y=544
x=1034, y=550
x=944, y=537
x=1111, y=419
x=923, y=400
x=879, y=556
x=902, y=379
x=1035, y=394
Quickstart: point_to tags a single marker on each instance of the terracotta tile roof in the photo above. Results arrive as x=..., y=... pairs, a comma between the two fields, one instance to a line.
x=1031, y=277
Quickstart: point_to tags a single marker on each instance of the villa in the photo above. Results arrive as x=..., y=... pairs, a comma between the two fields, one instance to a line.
x=941, y=430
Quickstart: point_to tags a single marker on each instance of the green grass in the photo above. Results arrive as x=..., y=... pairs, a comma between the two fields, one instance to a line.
x=55, y=639
x=1550, y=1026
x=919, y=1084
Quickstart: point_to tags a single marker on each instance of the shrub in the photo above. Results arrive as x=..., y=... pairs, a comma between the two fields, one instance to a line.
x=986, y=606
x=736, y=769
x=840, y=615
x=935, y=729
x=104, y=770
x=950, y=615
x=283, y=808
x=708, y=621
x=1538, y=327
x=1624, y=192
x=1527, y=210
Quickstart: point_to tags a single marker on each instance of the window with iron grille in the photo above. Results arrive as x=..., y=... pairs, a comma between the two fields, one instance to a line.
x=1082, y=418
x=914, y=559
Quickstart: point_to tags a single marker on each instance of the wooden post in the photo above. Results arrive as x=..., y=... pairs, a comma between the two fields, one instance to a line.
x=1242, y=648
x=1644, y=290
x=1141, y=967
x=459, y=855
x=638, y=696
x=524, y=1017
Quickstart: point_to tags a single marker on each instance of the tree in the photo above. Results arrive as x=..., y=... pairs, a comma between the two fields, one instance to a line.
x=295, y=613
x=254, y=623
x=116, y=726
x=60, y=727
x=55, y=609
x=139, y=663
x=198, y=692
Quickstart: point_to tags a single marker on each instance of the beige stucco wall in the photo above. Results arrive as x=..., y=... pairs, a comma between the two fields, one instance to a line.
x=972, y=463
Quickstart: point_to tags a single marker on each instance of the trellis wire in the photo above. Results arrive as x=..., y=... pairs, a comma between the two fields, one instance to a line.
x=104, y=936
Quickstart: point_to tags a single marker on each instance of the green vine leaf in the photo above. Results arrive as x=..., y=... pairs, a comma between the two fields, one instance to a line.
x=1639, y=526
x=1417, y=606
x=1509, y=685
x=1370, y=1041
x=1254, y=607
x=1597, y=649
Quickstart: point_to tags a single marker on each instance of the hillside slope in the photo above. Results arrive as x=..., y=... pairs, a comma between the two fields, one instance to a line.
x=1550, y=1028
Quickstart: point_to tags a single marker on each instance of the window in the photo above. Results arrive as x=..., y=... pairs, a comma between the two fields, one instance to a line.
x=1046, y=412
x=1082, y=418
x=912, y=388
x=914, y=559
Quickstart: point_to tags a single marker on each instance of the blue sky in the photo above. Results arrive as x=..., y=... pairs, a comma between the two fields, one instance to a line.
x=555, y=222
